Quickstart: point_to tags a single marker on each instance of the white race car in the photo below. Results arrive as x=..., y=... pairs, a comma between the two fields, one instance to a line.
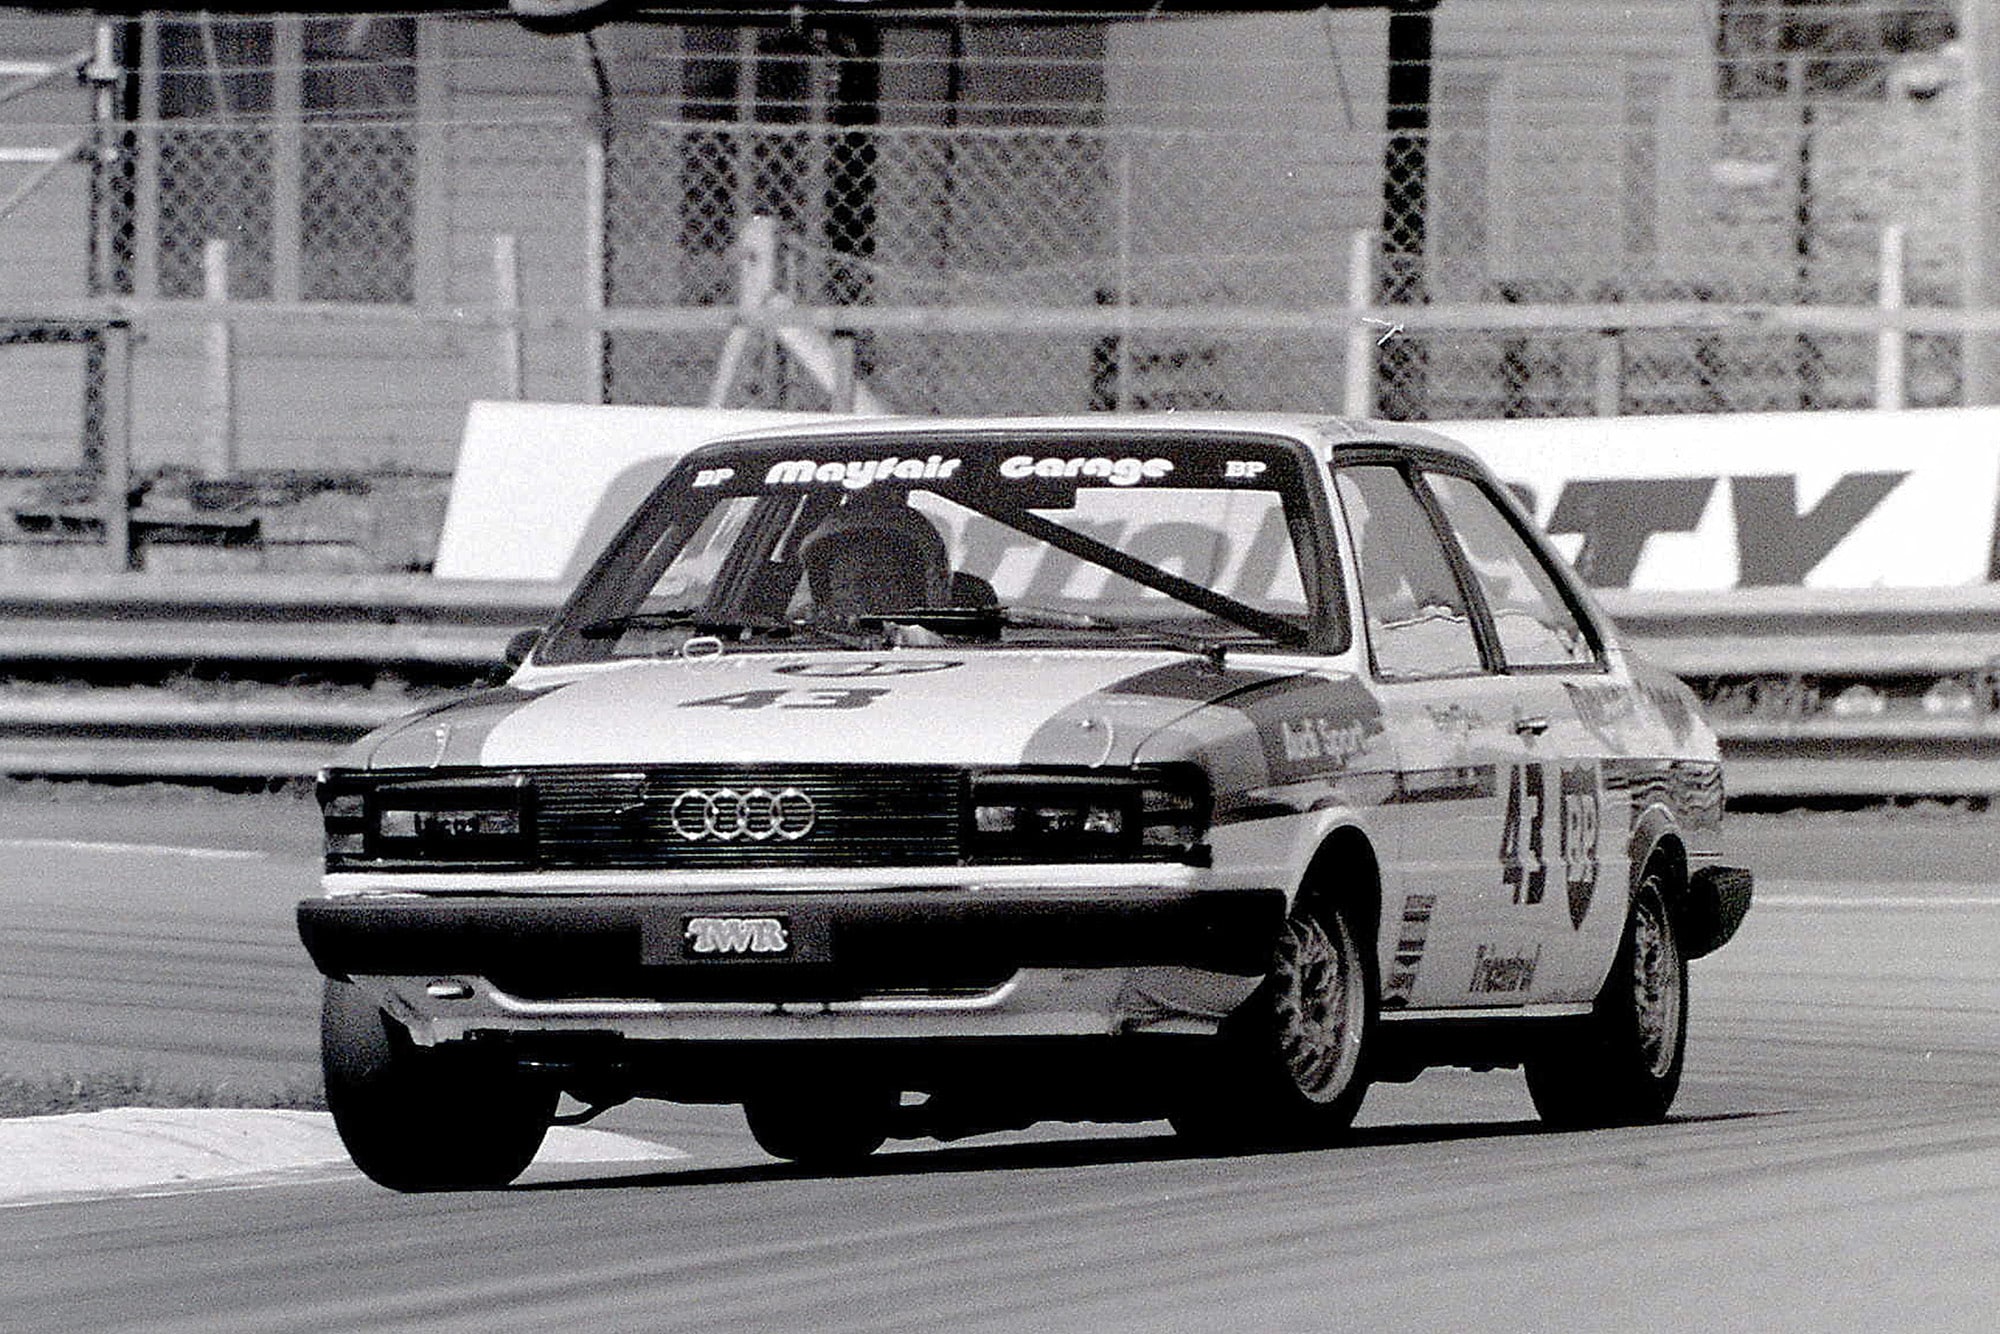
x=928, y=777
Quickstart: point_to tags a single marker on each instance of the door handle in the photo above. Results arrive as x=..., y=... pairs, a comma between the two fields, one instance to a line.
x=1532, y=725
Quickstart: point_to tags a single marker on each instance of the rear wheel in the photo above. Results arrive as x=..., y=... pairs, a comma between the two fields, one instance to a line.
x=827, y=1127
x=1291, y=1060
x=419, y=1119
x=1626, y=1066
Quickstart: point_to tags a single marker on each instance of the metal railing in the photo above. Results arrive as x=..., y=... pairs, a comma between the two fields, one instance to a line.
x=1815, y=693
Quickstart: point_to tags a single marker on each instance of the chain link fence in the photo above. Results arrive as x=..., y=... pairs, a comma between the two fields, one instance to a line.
x=1045, y=223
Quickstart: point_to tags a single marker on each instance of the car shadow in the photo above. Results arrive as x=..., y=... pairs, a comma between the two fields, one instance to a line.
x=1069, y=1154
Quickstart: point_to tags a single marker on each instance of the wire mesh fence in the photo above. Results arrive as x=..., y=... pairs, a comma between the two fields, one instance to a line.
x=1042, y=221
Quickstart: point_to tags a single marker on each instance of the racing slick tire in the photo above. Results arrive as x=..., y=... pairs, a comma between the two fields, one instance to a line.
x=1291, y=1065
x=425, y=1119
x=1625, y=1067
x=833, y=1126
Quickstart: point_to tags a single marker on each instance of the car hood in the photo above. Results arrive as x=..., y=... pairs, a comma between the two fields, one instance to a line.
x=894, y=707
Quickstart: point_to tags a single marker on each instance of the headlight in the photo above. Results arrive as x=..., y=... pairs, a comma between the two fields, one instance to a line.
x=345, y=813
x=474, y=819
x=1158, y=815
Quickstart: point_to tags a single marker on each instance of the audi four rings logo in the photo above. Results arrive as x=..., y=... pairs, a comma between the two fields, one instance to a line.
x=756, y=815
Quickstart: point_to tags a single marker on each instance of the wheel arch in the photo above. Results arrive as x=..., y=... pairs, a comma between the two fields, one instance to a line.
x=1657, y=839
x=1345, y=871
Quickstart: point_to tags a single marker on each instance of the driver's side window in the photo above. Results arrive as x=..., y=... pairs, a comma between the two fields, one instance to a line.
x=1416, y=614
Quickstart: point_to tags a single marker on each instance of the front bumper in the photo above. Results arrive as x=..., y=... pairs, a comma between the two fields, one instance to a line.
x=939, y=963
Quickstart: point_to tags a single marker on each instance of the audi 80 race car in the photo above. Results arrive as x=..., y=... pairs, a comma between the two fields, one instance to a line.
x=914, y=778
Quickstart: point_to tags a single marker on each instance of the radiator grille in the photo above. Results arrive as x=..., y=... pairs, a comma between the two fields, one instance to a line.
x=612, y=818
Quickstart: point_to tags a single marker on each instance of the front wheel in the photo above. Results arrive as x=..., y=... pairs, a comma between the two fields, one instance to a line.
x=425, y=1118
x=1291, y=1060
x=1625, y=1067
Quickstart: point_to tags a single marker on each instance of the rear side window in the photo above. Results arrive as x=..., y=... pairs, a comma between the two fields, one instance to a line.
x=1417, y=619
x=1534, y=622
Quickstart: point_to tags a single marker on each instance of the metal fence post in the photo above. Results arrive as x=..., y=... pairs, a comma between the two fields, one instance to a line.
x=1891, y=344
x=1979, y=251
x=218, y=456
x=114, y=494
x=842, y=391
x=596, y=276
x=1123, y=379
x=1358, y=394
x=1608, y=373
x=507, y=301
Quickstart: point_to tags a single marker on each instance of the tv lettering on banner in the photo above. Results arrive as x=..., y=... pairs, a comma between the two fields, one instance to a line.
x=1798, y=499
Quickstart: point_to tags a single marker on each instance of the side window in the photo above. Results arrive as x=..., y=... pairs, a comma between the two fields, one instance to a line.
x=1415, y=611
x=1534, y=622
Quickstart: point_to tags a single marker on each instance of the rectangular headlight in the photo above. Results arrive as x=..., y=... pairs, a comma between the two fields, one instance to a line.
x=1059, y=817
x=476, y=818
x=344, y=812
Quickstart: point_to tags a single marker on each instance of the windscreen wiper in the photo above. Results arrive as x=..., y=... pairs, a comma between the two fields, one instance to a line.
x=980, y=622
x=988, y=622
x=677, y=618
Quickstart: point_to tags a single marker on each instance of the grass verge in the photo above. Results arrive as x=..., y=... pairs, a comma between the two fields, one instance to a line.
x=53, y=1095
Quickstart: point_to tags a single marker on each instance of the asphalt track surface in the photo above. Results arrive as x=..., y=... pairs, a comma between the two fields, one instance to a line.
x=1833, y=1162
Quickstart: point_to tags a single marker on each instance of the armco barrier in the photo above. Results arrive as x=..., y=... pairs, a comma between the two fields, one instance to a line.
x=390, y=621
x=1853, y=655
x=1869, y=717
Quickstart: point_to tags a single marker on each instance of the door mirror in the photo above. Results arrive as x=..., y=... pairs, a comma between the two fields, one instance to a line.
x=521, y=645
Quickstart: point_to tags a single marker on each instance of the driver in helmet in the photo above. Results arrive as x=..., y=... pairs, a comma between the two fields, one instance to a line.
x=871, y=557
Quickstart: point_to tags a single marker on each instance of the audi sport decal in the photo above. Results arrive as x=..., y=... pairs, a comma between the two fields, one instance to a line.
x=1315, y=738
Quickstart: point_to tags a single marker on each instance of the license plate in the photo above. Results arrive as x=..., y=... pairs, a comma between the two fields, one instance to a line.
x=729, y=937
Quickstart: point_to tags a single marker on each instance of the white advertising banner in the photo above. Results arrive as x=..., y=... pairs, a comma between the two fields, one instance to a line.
x=540, y=487
x=1800, y=499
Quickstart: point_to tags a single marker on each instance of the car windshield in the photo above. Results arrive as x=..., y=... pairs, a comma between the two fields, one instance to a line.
x=1078, y=539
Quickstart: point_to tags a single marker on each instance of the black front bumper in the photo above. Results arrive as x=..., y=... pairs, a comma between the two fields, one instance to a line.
x=838, y=944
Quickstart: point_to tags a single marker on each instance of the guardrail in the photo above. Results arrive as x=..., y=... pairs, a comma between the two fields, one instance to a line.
x=1837, y=692
x=1814, y=693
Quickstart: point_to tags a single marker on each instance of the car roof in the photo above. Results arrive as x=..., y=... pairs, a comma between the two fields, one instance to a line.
x=1314, y=431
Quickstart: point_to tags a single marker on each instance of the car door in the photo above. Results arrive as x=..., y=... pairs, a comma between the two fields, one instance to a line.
x=1454, y=720
x=1563, y=852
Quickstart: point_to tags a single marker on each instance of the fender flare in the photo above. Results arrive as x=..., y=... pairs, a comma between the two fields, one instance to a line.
x=1656, y=833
